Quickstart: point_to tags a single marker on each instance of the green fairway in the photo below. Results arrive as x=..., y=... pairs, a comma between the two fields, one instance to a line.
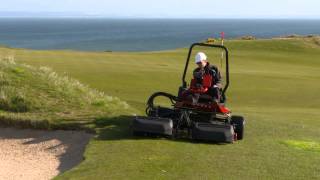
x=274, y=85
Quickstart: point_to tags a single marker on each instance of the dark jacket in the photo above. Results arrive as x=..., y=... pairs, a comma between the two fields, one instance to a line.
x=208, y=69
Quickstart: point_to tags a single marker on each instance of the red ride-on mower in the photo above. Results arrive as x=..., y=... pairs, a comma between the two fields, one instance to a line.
x=194, y=112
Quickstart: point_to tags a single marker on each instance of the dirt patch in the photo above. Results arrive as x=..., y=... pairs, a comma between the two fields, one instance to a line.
x=36, y=154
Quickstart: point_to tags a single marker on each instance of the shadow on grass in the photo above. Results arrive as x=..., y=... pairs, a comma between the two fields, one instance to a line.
x=115, y=128
x=120, y=128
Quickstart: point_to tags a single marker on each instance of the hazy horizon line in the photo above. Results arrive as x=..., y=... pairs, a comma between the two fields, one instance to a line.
x=157, y=18
x=63, y=14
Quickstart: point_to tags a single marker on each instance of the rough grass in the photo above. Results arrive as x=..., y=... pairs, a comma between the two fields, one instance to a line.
x=274, y=85
x=39, y=97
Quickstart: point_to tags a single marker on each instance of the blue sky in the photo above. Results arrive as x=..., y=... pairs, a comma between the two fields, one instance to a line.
x=167, y=8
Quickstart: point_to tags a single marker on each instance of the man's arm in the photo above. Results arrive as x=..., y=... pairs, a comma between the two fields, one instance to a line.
x=197, y=74
x=217, y=77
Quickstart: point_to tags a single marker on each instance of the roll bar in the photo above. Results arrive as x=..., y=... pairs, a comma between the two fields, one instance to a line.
x=184, y=83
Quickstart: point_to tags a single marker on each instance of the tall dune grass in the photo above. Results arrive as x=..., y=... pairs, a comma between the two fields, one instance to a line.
x=34, y=92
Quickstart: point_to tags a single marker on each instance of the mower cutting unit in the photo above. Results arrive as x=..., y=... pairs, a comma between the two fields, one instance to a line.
x=194, y=113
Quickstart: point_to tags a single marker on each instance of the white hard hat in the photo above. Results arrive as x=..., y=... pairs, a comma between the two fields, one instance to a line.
x=200, y=57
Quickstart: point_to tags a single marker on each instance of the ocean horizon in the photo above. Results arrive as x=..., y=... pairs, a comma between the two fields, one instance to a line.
x=135, y=34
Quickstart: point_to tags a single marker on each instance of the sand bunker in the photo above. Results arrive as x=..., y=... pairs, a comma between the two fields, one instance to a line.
x=35, y=154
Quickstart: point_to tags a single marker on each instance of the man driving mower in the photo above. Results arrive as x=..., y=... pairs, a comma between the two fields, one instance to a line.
x=199, y=108
x=206, y=69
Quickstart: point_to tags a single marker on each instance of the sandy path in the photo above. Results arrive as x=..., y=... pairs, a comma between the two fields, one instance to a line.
x=35, y=154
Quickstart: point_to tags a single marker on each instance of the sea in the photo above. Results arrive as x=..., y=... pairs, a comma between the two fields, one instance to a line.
x=102, y=34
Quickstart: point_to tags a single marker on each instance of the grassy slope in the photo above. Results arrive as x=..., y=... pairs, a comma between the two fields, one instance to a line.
x=40, y=98
x=274, y=84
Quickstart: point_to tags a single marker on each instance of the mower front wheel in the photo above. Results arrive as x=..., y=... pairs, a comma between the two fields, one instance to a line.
x=238, y=122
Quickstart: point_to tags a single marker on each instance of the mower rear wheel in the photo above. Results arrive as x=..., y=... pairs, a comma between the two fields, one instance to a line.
x=238, y=122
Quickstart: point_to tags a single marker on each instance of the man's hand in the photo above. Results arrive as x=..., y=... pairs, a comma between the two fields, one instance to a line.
x=218, y=85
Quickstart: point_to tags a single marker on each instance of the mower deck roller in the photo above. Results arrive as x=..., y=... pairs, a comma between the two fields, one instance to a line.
x=193, y=111
x=213, y=132
x=153, y=125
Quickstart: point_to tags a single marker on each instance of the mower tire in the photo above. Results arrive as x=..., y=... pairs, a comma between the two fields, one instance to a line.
x=238, y=122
